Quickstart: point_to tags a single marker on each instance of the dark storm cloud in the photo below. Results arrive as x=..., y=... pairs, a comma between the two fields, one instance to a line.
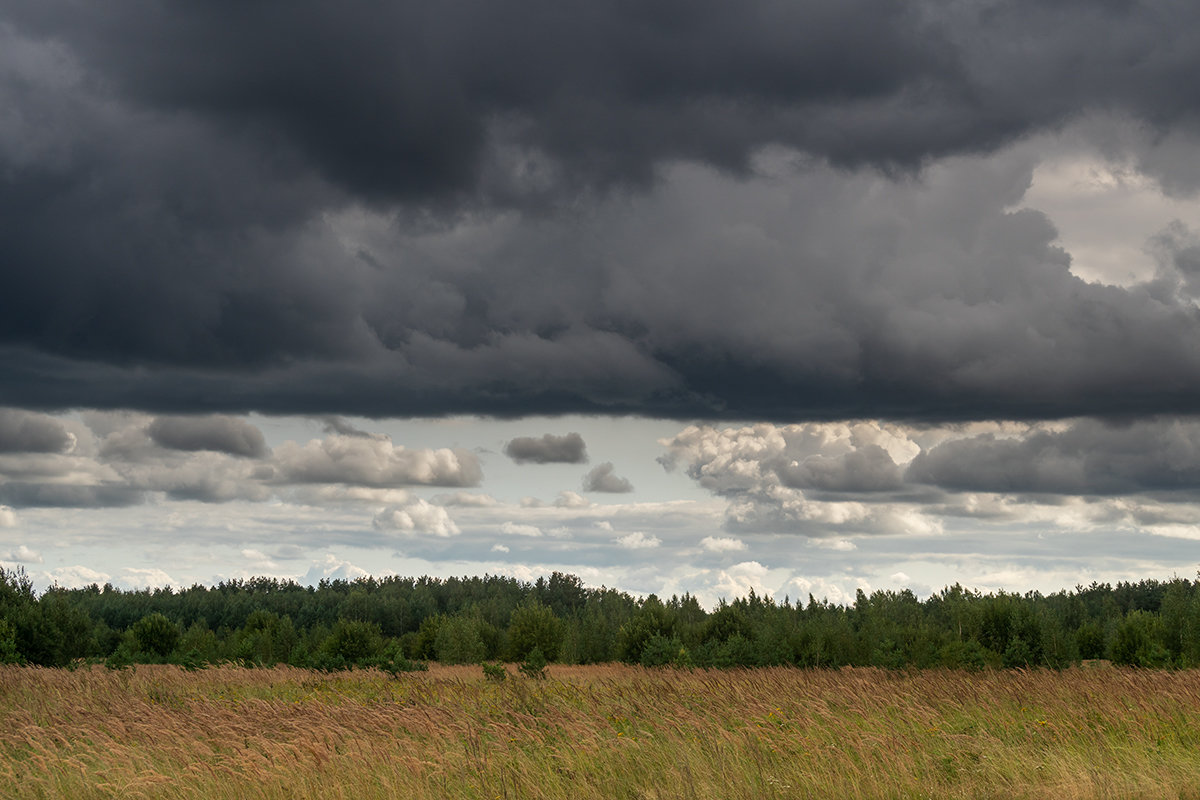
x=23, y=432
x=392, y=208
x=603, y=478
x=547, y=449
x=220, y=434
x=1088, y=457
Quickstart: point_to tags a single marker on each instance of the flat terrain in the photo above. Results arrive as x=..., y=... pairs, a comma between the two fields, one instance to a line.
x=598, y=732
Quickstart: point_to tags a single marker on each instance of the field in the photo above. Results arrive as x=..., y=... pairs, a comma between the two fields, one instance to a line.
x=598, y=732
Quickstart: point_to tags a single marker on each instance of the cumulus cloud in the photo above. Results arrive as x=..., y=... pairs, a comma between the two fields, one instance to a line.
x=520, y=529
x=417, y=517
x=603, y=478
x=330, y=567
x=145, y=578
x=722, y=544
x=548, y=449
x=374, y=462
x=569, y=499
x=22, y=555
x=26, y=432
x=223, y=434
x=638, y=541
x=1088, y=456
x=76, y=576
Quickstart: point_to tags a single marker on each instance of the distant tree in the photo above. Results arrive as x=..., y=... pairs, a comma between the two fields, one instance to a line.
x=532, y=625
x=155, y=635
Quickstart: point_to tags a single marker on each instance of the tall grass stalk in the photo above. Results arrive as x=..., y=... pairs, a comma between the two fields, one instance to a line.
x=598, y=732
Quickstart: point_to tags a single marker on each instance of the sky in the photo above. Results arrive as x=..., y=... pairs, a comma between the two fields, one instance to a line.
x=677, y=296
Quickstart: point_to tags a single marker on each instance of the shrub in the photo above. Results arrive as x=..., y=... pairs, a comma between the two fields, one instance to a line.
x=534, y=665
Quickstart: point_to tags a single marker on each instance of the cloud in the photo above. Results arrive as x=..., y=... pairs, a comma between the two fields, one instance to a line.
x=59, y=495
x=222, y=434
x=76, y=577
x=8, y=519
x=722, y=544
x=703, y=214
x=638, y=541
x=336, y=425
x=374, y=462
x=22, y=555
x=25, y=432
x=1086, y=456
x=331, y=568
x=549, y=449
x=568, y=499
x=419, y=516
x=520, y=529
x=145, y=578
x=467, y=499
x=602, y=478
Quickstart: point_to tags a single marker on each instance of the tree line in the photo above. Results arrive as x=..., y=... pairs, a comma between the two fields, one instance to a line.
x=399, y=623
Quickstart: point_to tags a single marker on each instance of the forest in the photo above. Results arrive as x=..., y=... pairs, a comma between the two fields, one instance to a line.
x=399, y=623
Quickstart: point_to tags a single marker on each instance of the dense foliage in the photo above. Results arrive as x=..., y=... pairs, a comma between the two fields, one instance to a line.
x=396, y=623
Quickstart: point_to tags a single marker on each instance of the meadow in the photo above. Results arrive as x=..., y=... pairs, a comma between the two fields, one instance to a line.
x=598, y=732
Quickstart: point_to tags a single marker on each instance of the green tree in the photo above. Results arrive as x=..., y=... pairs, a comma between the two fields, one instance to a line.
x=354, y=641
x=155, y=635
x=532, y=625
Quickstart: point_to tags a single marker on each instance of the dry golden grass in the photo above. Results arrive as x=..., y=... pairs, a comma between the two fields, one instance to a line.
x=598, y=732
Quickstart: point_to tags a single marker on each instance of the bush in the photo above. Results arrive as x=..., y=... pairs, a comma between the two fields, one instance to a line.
x=495, y=672
x=535, y=664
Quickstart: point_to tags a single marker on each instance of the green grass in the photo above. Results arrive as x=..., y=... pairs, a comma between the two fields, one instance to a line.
x=598, y=732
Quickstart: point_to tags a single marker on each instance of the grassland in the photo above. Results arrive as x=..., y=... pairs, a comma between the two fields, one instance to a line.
x=598, y=732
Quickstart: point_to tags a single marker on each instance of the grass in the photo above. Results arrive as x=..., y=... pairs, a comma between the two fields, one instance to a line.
x=598, y=732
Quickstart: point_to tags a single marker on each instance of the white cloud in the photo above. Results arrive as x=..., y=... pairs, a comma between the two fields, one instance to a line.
x=837, y=545
x=638, y=541
x=468, y=499
x=499, y=548
x=374, y=462
x=22, y=555
x=136, y=578
x=76, y=577
x=519, y=529
x=418, y=516
x=722, y=544
x=8, y=517
x=330, y=567
x=568, y=499
x=258, y=559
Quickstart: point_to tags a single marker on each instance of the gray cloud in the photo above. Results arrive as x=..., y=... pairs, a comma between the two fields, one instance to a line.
x=58, y=495
x=1087, y=457
x=374, y=462
x=603, y=478
x=666, y=208
x=548, y=449
x=219, y=433
x=24, y=432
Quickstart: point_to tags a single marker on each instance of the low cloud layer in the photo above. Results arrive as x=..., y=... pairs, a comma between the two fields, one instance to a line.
x=866, y=477
x=548, y=449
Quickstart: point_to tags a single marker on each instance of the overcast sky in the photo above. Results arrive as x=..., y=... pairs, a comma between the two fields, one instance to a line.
x=676, y=295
